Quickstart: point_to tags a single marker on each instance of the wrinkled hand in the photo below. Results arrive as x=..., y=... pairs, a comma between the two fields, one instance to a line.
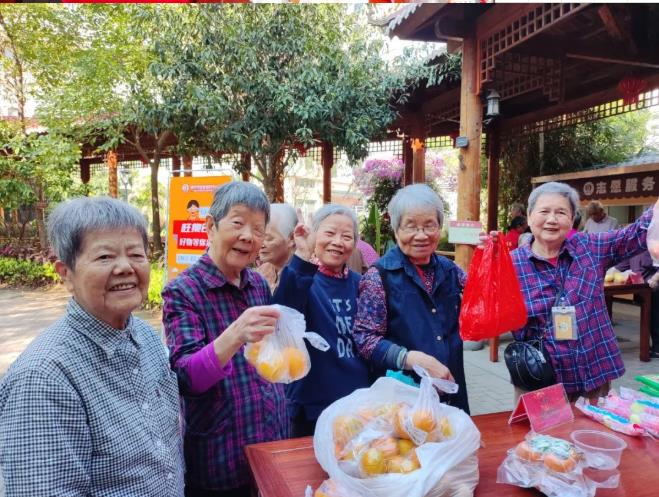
x=484, y=237
x=435, y=368
x=304, y=241
x=653, y=282
x=255, y=323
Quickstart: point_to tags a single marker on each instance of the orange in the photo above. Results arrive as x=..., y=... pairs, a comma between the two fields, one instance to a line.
x=296, y=361
x=387, y=446
x=445, y=427
x=395, y=464
x=405, y=446
x=399, y=423
x=253, y=350
x=423, y=420
x=373, y=462
x=410, y=464
x=346, y=427
x=272, y=369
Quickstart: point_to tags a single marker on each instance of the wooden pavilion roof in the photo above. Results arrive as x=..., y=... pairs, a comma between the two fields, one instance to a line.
x=544, y=59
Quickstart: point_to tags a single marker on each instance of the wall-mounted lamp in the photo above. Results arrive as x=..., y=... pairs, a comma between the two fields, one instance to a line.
x=493, y=99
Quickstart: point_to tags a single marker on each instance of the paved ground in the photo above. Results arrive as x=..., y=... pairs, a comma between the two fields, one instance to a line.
x=25, y=313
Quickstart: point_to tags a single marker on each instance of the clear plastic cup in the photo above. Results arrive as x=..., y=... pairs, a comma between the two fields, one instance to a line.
x=602, y=450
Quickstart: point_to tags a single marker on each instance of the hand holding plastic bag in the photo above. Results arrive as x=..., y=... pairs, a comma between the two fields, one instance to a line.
x=282, y=356
x=492, y=302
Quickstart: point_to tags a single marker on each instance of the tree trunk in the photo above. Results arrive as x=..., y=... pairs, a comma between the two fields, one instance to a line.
x=277, y=172
x=41, y=224
x=155, y=206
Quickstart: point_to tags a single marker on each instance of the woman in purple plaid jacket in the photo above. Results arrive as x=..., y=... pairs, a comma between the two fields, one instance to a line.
x=561, y=276
x=210, y=312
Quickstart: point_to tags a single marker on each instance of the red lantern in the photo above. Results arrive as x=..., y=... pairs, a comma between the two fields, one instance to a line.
x=631, y=87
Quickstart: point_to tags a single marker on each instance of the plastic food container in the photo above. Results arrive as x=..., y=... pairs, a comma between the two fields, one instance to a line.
x=602, y=450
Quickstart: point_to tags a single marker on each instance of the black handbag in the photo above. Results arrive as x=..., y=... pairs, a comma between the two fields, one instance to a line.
x=529, y=364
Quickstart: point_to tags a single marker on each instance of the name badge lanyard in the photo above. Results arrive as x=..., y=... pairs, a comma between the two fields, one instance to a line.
x=563, y=315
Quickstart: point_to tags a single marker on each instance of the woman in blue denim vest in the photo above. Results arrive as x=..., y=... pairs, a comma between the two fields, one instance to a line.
x=409, y=301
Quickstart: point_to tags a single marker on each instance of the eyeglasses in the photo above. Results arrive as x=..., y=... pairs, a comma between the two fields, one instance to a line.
x=431, y=229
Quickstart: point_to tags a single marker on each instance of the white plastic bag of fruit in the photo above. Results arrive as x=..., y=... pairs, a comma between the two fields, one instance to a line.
x=359, y=445
x=282, y=356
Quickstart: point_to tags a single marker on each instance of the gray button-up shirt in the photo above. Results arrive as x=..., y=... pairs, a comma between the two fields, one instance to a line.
x=91, y=410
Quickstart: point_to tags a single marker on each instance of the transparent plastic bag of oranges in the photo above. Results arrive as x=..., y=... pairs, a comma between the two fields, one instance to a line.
x=282, y=356
x=356, y=443
x=424, y=421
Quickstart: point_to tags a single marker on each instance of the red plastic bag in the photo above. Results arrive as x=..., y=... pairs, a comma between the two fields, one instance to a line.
x=492, y=302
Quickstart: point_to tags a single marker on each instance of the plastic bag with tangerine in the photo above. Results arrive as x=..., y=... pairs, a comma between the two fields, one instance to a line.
x=425, y=421
x=282, y=356
x=553, y=466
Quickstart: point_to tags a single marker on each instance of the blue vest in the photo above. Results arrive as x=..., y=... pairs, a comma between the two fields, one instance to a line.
x=419, y=321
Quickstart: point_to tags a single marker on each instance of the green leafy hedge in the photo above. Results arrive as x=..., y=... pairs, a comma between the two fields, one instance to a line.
x=23, y=272
x=154, y=299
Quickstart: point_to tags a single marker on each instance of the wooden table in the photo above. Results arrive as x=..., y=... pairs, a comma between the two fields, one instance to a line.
x=644, y=294
x=285, y=468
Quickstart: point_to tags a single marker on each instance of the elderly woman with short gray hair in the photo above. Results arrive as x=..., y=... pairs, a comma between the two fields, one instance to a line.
x=409, y=301
x=210, y=312
x=318, y=283
x=561, y=275
x=91, y=406
x=278, y=244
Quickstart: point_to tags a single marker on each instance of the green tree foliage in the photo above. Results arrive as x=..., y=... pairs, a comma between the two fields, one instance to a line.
x=569, y=149
x=261, y=79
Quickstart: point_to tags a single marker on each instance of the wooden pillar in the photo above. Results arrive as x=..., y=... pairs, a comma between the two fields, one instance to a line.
x=494, y=144
x=494, y=152
x=327, y=161
x=246, y=172
x=111, y=159
x=418, y=145
x=176, y=166
x=187, y=165
x=85, y=171
x=407, y=160
x=469, y=177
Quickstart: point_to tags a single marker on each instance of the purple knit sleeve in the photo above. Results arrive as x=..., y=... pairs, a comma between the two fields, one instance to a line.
x=371, y=319
x=204, y=370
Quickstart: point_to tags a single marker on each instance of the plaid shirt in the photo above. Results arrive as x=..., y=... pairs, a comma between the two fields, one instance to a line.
x=240, y=408
x=593, y=358
x=91, y=410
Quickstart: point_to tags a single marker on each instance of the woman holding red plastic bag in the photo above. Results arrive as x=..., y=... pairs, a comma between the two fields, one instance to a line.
x=562, y=282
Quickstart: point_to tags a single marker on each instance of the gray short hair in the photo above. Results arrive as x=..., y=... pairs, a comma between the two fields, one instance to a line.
x=72, y=220
x=328, y=210
x=593, y=207
x=418, y=196
x=554, y=187
x=238, y=193
x=284, y=218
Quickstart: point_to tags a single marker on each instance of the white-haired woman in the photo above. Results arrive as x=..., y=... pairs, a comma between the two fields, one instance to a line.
x=318, y=283
x=409, y=301
x=555, y=271
x=278, y=244
x=210, y=312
